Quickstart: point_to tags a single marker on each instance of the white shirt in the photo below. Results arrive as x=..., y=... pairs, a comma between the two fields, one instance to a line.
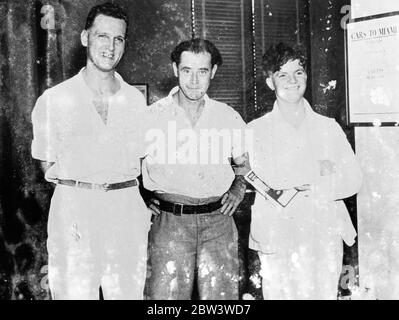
x=188, y=167
x=69, y=131
x=285, y=157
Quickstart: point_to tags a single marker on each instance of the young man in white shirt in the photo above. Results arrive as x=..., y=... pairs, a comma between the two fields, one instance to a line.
x=300, y=245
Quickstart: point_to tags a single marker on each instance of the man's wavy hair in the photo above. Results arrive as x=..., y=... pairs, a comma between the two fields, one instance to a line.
x=279, y=54
x=197, y=45
x=107, y=9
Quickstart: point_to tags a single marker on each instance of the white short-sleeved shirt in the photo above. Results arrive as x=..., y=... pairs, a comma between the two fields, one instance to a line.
x=69, y=132
x=195, y=160
x=285, y=157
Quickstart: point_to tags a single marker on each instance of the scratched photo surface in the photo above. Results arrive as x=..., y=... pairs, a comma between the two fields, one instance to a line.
x=40, y=47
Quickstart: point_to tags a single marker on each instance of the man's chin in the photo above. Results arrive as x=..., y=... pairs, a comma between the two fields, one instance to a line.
x=294, y=97
x=291, y=99
x=107, y=65
x=194, y=97
x=107, y=68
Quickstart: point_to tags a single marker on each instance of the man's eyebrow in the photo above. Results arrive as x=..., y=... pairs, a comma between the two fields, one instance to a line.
x=108, y=34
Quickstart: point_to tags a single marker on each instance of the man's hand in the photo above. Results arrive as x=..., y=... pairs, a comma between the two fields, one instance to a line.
x=232, y=198
x=305, y=189
x=153, y=205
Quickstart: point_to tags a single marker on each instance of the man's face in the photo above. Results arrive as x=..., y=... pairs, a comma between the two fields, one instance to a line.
x=105, y=42
x=194, y=73
x=289, y=82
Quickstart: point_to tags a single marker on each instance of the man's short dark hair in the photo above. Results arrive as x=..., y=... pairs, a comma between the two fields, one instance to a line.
x=197, y=45
x=279, y=54
x=108, y=9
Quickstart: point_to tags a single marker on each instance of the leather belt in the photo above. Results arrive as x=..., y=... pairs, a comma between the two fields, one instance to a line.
x=97, y=186
x=178, y=208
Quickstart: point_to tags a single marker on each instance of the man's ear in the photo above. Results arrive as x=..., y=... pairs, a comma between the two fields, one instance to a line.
x=84, y=38
x=269, y=82
x=174, y=66
x=214, y=69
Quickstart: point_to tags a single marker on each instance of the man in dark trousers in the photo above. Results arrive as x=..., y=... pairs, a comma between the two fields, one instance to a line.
x=193, y=235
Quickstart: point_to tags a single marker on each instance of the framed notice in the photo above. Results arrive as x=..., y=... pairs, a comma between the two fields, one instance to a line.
x=372, y=63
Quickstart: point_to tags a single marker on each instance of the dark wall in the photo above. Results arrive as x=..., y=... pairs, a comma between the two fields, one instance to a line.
x=22, y=210
x=328, y=59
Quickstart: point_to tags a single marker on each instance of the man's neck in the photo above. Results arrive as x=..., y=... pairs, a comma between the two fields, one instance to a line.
x=103, y=83
x=192, y=108
x=294, y=113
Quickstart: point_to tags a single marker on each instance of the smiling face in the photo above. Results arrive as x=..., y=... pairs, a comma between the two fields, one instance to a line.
x=105, y=42
x=194, y=73
x=289, y=82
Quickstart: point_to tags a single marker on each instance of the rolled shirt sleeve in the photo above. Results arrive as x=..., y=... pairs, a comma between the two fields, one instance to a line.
x=239, y=136
x=239, y=142
x=45, y=136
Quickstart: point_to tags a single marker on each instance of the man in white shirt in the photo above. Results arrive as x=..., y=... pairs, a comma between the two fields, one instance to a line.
x=300, y=245
x=86, y=133
x=193, y=236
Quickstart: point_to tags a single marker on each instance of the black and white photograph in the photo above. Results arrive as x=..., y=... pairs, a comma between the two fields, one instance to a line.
x=228, y=151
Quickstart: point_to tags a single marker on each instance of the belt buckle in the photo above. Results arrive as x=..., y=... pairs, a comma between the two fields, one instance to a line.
x=180, y=211
x=105, y=187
